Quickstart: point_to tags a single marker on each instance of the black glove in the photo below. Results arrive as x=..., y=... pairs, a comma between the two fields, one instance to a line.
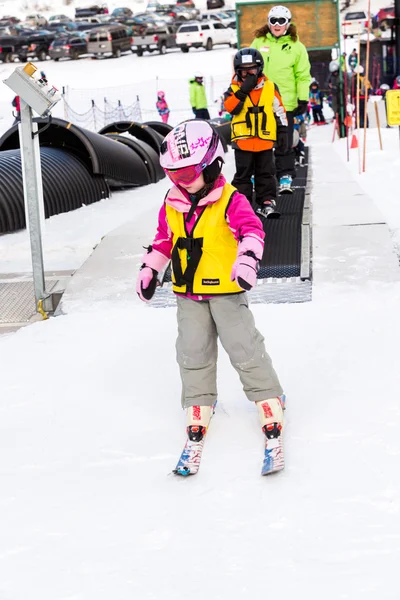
x=282, y=141
x=248, y=84
x=301, y=108
x=194, y=110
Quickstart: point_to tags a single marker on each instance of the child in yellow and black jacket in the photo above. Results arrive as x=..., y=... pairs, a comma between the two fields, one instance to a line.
x=258, y=124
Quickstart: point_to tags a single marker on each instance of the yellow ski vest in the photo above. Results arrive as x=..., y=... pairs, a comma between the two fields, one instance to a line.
x=202, y=261
x=255, y=121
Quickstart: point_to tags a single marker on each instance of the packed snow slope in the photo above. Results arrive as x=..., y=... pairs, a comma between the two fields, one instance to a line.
x=91, y=427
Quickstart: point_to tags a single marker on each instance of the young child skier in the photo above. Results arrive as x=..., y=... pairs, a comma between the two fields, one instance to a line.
x=162, y=107
x=215, y=242
x=316, y=101
x=258, y=123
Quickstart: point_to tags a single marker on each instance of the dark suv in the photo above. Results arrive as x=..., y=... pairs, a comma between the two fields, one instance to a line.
x=68, y=46
x=113, y=40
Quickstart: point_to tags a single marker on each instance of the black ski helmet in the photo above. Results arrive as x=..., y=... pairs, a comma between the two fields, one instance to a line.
x=248, y=58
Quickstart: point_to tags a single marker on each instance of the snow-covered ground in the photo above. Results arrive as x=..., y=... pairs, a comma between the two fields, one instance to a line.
x=91, y=425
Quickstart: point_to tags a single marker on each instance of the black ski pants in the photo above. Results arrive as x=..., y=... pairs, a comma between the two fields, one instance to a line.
x=284, y=161
x=202, y=113
x=318, y=114
x=261, y=165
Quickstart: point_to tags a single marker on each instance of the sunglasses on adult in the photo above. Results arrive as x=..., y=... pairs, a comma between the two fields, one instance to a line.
x=278, y=21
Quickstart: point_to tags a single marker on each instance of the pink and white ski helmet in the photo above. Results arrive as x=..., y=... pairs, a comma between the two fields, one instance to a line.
x=161, y=94
x=191, y=143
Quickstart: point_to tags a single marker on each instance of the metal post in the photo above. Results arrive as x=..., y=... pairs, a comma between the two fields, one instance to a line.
x=31, y=177
x=397, y=34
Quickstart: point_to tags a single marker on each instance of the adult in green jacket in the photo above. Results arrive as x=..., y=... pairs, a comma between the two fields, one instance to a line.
x=286, y=63
x=198, y=98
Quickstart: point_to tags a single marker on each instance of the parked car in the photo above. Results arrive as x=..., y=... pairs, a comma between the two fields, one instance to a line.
x=204, y=35
x=9, y=20
x=221, y=16
x=354, y=23
x=154, y=18
x=215, y=4
x=85, y=26
x=62, y=26
x=186, y=3
x=92, y=19
x=58, y=18
x=113, y=39
x=187, y=13
x=36, y=45
x=90, y=11
x=121, y=13
x=36, y=20
x=154, y=40
x=68, y=46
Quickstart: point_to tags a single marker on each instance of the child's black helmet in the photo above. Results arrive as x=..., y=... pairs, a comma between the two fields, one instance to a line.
x=248, y=58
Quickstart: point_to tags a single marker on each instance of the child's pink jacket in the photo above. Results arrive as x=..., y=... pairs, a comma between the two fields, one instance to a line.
x=241, y=219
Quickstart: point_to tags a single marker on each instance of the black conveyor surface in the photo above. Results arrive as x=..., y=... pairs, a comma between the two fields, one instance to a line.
x=282, y=247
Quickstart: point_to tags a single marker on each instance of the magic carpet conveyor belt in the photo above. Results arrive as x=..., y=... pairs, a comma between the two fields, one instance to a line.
x=282, y=256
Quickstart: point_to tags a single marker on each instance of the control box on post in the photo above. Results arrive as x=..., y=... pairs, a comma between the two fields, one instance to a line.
x=36, y=95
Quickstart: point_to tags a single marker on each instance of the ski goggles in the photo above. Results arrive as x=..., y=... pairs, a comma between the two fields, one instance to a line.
x=253, y=70
x=278, y=21
x=186, y=175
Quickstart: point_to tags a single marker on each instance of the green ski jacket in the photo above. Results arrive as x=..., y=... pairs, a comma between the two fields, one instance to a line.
x=286, y=63
x=197, y=95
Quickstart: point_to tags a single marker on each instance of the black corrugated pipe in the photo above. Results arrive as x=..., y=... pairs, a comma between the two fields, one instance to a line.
x=103, y=156
x=223, y=128
x=162, y=128
x=67, y=185
x=138, y=130
x=147, y=154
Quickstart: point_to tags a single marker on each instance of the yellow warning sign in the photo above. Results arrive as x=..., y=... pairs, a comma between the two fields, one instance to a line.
x=393, y=107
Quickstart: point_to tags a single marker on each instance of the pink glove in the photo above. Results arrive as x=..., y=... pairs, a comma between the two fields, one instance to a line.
x=244, y=271
x=153, y=262
x=245, y=267
x=146, y=284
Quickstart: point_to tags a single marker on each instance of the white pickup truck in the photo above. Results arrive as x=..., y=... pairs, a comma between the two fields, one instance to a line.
x=204, y=35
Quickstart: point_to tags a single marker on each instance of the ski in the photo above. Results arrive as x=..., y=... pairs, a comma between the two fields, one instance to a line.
x=190, y=459
x=274, y=455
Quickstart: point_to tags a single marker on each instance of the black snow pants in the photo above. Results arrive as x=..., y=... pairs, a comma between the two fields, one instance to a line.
x=261, y=165
x=202, y=113
x=284, y=161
